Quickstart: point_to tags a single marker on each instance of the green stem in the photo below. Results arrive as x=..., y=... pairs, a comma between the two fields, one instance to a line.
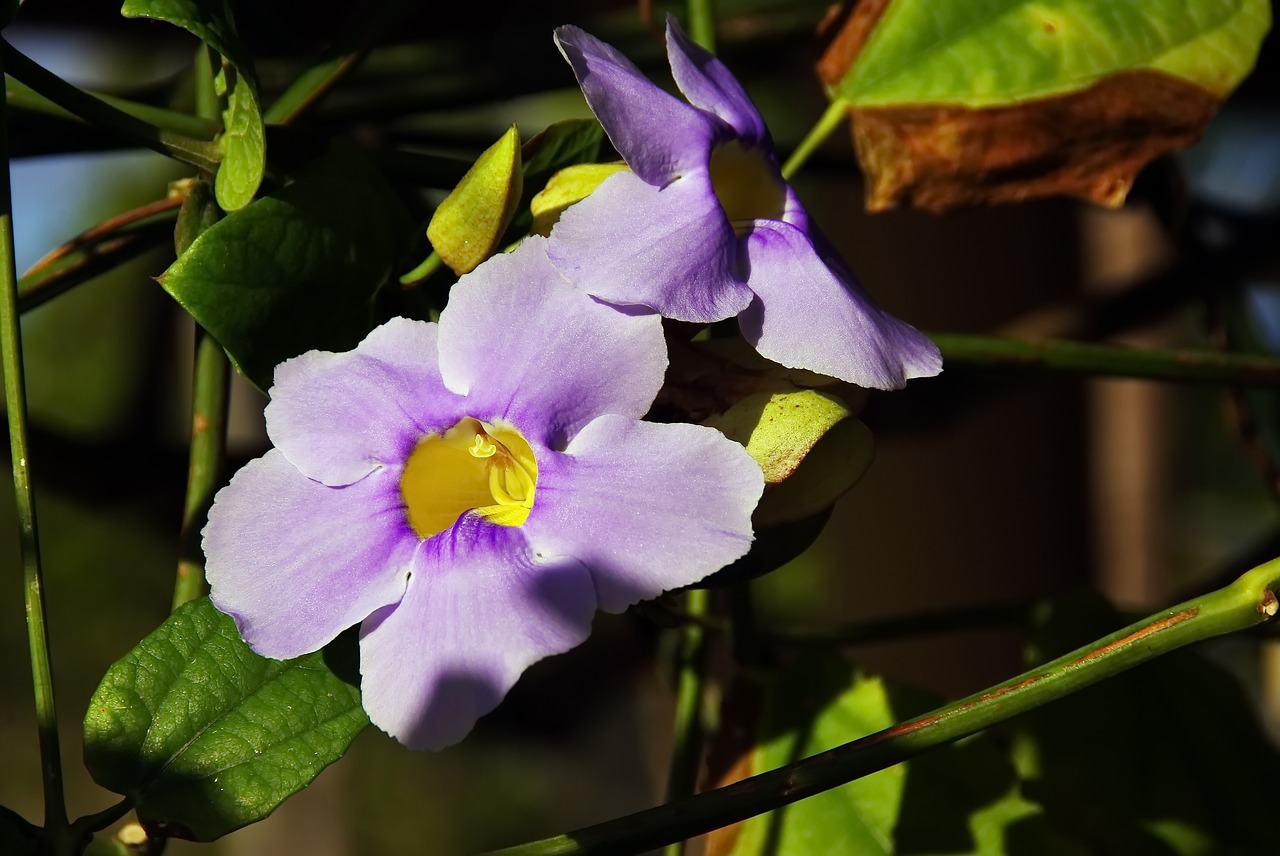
x=429, y=265
x=1248, y=601
x=98, y=821
x=24, y=97
x=199, y=153
x=1185, y=366
x=691, y=667
x=55, y=811
x=209, y=405
x=210, y=399
x=825, y=126
x=702, y=23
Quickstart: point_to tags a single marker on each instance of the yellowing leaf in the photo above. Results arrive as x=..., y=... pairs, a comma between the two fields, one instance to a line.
x=1004, y=100
x=810, y=449
x=467, y=226
x=569, y=185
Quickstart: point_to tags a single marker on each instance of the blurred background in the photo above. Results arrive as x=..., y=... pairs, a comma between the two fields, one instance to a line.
x=988, y=489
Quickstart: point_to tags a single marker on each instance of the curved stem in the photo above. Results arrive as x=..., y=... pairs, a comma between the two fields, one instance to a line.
x=825, y=126
x=1185, y=366
x=199, y=153
x=691, y=663
x=1249, y=601
x=55, y=811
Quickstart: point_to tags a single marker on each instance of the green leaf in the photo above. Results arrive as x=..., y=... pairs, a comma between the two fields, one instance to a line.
x=1000, y=52
x=206, y=736
x=296, y=270
x=1169, y=759
x=471, y=220
x=17, y=836
x=243, y=142
x=961, y=799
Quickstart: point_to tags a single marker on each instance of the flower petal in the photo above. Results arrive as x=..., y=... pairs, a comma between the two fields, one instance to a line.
x=657, y=134
x=338, y=417
x=478, y=612
x=807, y=316
x=526, y=346
x=296, y=562
x=647, y=507
x=670, y=249
x=710, y=86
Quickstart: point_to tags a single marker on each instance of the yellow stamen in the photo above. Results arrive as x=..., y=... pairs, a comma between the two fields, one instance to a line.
x=486, y=469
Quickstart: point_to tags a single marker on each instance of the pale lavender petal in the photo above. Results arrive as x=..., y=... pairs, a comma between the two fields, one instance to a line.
x=709, y=85
x=670, y=249
x=479, y=610
x=296, y=562
x=339, y=417
x=657, y=134
x=807, y=316
x=526, y=346
x=647, y=507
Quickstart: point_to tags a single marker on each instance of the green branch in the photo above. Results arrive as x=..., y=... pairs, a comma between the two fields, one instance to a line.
x=210, y=400
x=702, y=23
x=202, y=154
x=24, y=97
x=823, y=128
x=97, y=250
x=1058, y=355
x=1247, y=602
x=15, y=397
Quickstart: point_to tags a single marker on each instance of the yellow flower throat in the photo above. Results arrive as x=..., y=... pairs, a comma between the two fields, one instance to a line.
x=473, y=466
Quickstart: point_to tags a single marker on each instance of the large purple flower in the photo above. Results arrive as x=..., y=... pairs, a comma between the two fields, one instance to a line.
x=704, y=227
x=470, y=492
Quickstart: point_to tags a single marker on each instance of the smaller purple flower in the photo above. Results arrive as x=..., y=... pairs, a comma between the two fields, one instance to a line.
x=704, y=227
x=469, y=493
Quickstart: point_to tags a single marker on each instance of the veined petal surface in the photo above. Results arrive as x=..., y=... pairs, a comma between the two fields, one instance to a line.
x=479, y=610
x=646, y=507
x=710, y=86
x=339, y=416
x=524, y=345
x=657, y=134
x=670, y=249
x=806, y=316
x=296, y=562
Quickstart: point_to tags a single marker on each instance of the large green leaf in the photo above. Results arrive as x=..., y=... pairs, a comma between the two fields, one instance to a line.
x=985, y=53
x=243, y=142
x=206, y=736
x=960, y=799
x=296, y=270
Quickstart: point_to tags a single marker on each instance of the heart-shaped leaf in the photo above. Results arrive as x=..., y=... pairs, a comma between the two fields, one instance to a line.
x=206, y=736
x=296, y=270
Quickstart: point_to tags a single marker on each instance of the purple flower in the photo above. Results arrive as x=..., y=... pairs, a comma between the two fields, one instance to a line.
x=705, y=228
x=470, y=492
